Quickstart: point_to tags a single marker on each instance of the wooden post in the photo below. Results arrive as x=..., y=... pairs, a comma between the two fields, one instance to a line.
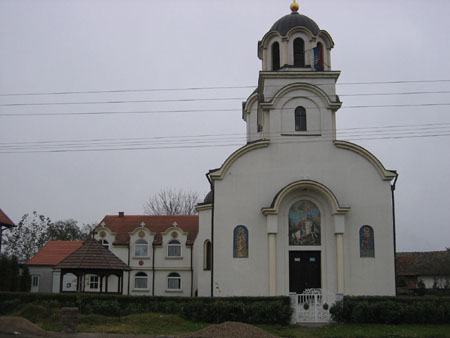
x=61, y=275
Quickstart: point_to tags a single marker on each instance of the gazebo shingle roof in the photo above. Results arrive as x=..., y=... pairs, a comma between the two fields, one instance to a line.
x=92, y=256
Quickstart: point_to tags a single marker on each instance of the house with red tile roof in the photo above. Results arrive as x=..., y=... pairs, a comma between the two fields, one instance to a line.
x=158, y=250
x=44, y=276
x=136, y=255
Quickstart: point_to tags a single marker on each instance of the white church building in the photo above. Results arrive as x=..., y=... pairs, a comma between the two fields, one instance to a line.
x=296, y=209
x=293, y=212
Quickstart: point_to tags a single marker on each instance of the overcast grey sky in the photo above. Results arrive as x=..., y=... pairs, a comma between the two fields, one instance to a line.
x=66, y=46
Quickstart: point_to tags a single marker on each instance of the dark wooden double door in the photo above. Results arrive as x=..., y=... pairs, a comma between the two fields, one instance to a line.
x=304, y=270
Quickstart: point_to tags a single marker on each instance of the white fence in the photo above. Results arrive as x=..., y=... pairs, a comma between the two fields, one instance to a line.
x=312, y=306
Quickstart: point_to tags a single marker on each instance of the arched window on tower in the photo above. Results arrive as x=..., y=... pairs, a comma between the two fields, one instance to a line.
x=299, y=53
x=275, y=56
x=300, y=119
x=318, y=57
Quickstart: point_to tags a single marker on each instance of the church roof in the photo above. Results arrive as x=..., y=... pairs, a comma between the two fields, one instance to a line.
x=54, y=252
x=292, y=20
x=92, y=256
x=122, y=225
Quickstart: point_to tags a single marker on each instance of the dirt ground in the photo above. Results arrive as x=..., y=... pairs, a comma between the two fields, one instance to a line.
x=20, y=327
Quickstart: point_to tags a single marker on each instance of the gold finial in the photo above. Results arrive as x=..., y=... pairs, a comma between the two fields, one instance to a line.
x=294, y=6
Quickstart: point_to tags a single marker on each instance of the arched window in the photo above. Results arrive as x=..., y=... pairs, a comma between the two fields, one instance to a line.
x=174, y=281
x=141, y=248
x=174, y=248
x=304, y=224
x=207, y=255
x=240, y=242
x=299, y=53
x=318, y=57
x=275, y=56
x=141, y=280
x=300, y=119
x=366, y=241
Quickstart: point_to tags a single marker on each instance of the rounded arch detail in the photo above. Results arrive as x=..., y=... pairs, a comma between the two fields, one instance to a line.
x=302, y=86
x=323, y=190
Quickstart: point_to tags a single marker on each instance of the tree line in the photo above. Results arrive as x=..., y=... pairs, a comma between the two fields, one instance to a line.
x=33, y=231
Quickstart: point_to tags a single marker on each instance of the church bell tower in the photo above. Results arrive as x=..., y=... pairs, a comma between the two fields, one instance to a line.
x=296, y=94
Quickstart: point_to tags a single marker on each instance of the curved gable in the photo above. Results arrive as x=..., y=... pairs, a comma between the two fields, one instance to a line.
x=218, y=174
x=386, y=175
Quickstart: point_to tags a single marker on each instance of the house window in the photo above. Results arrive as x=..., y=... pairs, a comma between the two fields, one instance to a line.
x=275, y=56
x=299, y=53
x=174, y=281
x=35, y=281
x=141, y=248
x=140, y=280
x=93, y=282
x=207, y=255
x=105, y=243
x=174, y=248
x=300, y=119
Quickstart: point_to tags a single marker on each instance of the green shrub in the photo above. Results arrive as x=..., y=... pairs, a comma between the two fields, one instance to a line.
x=275, y=310
x=392, y=310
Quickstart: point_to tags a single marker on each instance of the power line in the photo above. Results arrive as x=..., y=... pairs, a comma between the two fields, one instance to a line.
x=367, y=133
x=205, y=99
x=206, y=88
x=211, y=145
x=210, y=110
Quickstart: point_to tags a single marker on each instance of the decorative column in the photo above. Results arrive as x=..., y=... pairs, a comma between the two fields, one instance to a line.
x=284, y=51
x=272, y=229
x=339, y=229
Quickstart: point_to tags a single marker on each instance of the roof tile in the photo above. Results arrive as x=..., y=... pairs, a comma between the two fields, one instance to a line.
x=54, y=252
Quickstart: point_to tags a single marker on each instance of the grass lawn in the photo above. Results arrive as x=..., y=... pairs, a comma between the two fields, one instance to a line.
x=165, y=324
x=145, y=323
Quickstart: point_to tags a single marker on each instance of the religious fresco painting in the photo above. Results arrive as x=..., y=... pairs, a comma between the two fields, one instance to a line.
x=366, y=241
x=240, y=242
x=304, y=224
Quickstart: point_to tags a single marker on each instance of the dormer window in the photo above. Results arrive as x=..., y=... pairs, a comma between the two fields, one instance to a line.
x=105, y=243
x=300, y=119
x=299, y=53
x=174, y=248
x=141, y=248
x=275, y=56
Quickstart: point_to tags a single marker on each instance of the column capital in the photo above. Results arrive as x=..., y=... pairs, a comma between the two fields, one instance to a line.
x=339, y=224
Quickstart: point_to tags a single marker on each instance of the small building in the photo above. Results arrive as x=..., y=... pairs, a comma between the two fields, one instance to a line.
x=42, y=266
x=158, y=250
x=430, y=267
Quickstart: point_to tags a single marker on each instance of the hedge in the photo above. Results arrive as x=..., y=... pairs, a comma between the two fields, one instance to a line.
x=274, y=310
x=392, y=310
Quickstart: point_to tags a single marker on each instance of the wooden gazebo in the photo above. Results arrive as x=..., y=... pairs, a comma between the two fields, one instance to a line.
x=92, y=258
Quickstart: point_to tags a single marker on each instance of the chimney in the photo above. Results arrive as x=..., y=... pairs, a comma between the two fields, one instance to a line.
x=121, y=214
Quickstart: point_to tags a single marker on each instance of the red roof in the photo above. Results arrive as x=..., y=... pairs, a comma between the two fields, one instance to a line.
x=5, y=220
x=54, y=252
x=123, y=225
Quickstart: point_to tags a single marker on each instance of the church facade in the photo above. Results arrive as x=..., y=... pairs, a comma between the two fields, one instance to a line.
x=296, y=209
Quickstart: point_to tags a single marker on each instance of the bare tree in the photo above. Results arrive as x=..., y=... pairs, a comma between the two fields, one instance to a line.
x=172, y=202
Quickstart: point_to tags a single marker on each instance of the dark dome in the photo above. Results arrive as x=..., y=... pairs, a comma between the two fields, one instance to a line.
x=208, y=198
x=289, y=21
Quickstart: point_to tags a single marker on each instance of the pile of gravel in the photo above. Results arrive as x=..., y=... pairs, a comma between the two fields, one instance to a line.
x=230, y=329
